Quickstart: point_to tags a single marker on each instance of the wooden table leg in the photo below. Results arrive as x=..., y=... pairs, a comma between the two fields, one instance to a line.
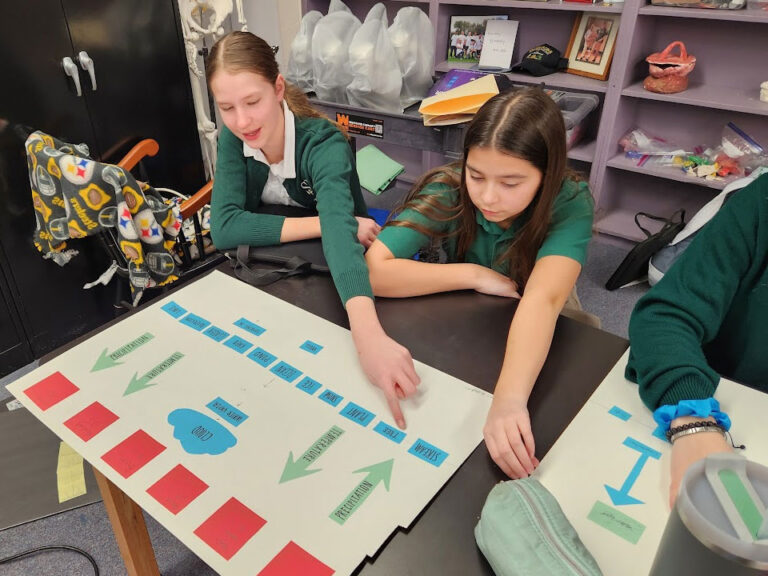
x=129, y=528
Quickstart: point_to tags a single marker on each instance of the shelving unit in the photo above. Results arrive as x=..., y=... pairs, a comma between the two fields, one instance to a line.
x=732, y=61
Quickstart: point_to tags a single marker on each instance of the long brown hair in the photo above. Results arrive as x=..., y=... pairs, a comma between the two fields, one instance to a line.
x=246, y=52
x=527, y=124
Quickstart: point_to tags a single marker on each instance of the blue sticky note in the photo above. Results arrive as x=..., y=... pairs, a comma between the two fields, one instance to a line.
x=330, y=397
x=238, y=344
x=249, y=326
x=427, y=452
x=311, y=347
x=227, y=411
x=174, y=309
x=261, y=356
x=619, y=413
x=357, y=414
x=200, y=434
x=216, y=333
x=195, y=321
x=286, y=371
x=390, y=432
x=308, y=385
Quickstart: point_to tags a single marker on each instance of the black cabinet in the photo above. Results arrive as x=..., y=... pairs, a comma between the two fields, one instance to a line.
x=141, y=91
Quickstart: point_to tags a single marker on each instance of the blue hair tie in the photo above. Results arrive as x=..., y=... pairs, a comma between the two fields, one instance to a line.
x=664, y=415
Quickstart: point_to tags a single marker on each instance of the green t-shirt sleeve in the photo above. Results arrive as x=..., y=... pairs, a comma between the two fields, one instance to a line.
x=404, y=241
x=570, y=228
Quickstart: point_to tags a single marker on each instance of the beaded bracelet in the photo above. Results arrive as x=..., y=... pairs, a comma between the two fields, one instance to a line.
x=692, y=428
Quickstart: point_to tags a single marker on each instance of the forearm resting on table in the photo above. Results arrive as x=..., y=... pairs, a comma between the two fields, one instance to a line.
x=300, y=229
x=398, y=277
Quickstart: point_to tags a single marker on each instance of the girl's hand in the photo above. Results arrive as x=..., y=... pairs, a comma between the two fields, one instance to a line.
x=688, y=449
x=495, y=284
x=367, y=230
x=509, y=438
x=389, y=366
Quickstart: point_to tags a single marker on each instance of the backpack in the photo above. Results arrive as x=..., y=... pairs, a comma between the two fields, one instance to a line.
x=663, y=260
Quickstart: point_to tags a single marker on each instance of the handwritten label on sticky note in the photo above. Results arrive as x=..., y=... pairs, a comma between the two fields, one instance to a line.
x=357, y=414
x=330, y=397
x=308, y=385
x=286, y=371
x=617, y=522
x=195, y=321
x=261, y=356
x=390, y=432
x=227, y=411
x=249, y=326
x=174, y=309
x=216, y=333
x=238, y=344
x=427, y=452
x=311, y=347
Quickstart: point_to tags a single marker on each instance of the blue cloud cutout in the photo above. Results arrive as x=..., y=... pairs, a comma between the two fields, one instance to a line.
x=200, y=434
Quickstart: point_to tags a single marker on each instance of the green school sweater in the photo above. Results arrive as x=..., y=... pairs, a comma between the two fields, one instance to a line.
x=326, y=181
x=709, y=314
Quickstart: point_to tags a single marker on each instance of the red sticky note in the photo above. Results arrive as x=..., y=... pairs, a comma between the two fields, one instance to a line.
x=293, y=559
x=177, y=489
x=51, y=390
x=90, y=421
x=133, y=453
x=230, y=527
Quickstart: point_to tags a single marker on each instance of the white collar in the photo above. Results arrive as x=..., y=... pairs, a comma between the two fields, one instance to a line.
x=286, y=168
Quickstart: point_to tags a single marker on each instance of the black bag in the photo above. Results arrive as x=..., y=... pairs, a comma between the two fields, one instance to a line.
x=635, y=264
x=294, y=258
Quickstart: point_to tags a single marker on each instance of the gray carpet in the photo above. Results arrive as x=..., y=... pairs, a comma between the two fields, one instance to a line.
x=88, y=527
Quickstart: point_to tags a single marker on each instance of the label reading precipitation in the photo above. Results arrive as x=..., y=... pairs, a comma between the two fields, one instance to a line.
x=174, y=309
x=425, y=451
x=331, y=397
x=238, y=344
x=286, y=372
x=261, y=356
x=249, y=326
x=195, y=321
x=200, y=434
x=617, y=522
x=227, y=411
x=390, y=432
x=357, y=414
x=311, y=347
x=308, y=385
x=216, y=333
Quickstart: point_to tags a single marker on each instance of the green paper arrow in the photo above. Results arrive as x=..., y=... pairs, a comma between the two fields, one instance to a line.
x=138, y=384
x=298, y=468
x=110, y=360
x=381, y=472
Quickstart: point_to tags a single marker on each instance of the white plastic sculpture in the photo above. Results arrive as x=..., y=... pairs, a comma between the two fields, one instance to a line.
x=193, y=15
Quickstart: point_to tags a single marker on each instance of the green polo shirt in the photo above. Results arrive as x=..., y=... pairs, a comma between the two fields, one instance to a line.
x=569, y=233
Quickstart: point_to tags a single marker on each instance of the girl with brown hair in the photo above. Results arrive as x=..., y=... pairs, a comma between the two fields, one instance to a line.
x=274, y=148
x=511, y=220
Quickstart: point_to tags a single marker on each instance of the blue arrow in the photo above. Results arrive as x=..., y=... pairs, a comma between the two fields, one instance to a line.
x=622, y=497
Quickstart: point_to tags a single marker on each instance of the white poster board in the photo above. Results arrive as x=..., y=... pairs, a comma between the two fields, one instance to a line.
x=246, y=427
x=609, y=470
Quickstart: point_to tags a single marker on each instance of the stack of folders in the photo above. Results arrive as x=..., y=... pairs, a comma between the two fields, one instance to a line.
x=458, y=104
x=375, y=169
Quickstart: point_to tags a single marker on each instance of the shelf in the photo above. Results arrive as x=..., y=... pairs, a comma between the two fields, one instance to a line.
x=708, y=96
x=613, y=8
x=621, y=223
x=583, y=151
x=556, y=80
x=621, y=162
x=745, y=15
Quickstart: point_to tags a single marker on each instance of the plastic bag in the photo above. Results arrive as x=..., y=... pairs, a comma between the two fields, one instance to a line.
x=413, y=38
x=638, y=142
x=376, y=79
x=330, y=55
x=299, y=70
x=338, y=6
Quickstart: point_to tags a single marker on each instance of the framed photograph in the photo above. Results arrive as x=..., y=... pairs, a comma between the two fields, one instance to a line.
x=593, y=40
x=466, y=36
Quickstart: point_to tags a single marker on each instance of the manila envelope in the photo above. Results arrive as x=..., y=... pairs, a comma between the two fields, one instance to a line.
x=465, y=99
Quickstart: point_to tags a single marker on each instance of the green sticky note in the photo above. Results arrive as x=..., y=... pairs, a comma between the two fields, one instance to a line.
x=375, y=169
x=617, y=522
x=741, y=499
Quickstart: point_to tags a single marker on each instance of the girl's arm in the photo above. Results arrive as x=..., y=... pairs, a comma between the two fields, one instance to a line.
x=507, y=429
x=387, y=364
x=300, y=229
x=400, y=277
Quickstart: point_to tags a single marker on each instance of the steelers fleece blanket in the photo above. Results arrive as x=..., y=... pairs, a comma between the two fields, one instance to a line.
x=75, y=196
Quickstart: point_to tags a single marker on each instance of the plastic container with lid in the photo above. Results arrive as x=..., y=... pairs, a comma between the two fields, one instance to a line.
x=575, y=109
x=718, y=526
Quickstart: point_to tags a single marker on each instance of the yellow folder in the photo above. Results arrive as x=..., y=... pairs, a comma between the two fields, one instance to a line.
x=458, y=104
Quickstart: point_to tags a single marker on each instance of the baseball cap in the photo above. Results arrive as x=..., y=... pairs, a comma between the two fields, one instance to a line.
x=541, y=60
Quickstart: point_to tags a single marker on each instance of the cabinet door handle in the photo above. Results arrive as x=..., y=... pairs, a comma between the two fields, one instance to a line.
x=70, y=69
x=86, y=63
